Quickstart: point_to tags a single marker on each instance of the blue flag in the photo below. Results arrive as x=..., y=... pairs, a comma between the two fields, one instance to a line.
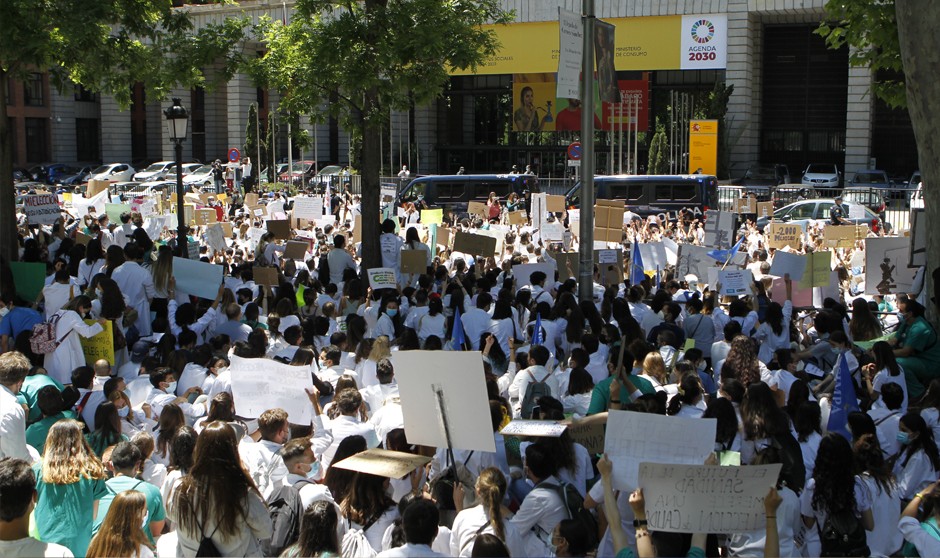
x=843, y=401
x=537, y=334
x=636, y=265
x=726, y=255
x=457, y=335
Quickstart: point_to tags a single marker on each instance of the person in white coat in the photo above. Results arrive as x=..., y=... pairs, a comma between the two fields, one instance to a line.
x=69, y=326
x=136, y=284
x=419, y=523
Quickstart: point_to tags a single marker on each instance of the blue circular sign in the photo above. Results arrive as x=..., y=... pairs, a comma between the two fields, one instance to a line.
x=233, y=155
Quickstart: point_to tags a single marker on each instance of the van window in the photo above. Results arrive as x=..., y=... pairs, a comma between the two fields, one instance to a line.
x=625, y=191
x=481, y=190
x=676, y=192
x=449, y=190
x=416, y=189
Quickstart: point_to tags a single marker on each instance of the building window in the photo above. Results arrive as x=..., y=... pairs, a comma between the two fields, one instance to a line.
x=37, y=140
x=84, y=95
x=32, y=91
x=86, y=137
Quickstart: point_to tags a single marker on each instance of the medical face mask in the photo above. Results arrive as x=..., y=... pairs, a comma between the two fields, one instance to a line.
x=904, y=438
x=4, y=311
x=123, y=412
x=171, y=388
x=391, y=312
x=314, y=471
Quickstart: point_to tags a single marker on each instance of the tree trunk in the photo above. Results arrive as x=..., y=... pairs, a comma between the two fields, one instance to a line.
x=371, y=140
x=9, y=248
x=918, y=21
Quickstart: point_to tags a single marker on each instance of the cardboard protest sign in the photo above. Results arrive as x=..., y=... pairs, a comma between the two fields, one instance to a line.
x=197, y=278
x=383, y=463
x=310, y=208
x=457, y=388
x=844, y=236
x=357, y=229
x=786, y=262
x=611, y=271
x=781, y=235
x=478, y=208
x=918, y=253
x=81, y=238
x=818, y=267
x=745, y=205
x=432, y=216
x=280, y=228
x=205, y=217
x=568, y=265
x=100, y=346
x=414, y=261
x=735, y=282
x=765, y=209
x=444, y=237
x=259, y=384
x=634, y=438
x=517, y=217
x=266, y=276
x=96, y=186
x=552, y=231
x=706, y=498
x=719, y=229
x=296, y=249
x=382, y=278
x=537, y=428
x=522, y=273
x=251, y=199
x=29, y=279
x=608, y=221
x=554, y=203
x=226, y=228
x=41, y=209
x=589, y=434
x=886, y=270
x=474, y=244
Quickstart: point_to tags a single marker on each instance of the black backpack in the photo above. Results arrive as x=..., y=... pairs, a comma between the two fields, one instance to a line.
x=206, y=547
x=574, y=504
x=535, y=390
x=323, y=270
x=286, y=510
x=843, y=535
x=793, y=472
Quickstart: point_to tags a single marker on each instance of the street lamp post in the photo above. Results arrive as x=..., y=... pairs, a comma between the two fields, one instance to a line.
x=177, y=120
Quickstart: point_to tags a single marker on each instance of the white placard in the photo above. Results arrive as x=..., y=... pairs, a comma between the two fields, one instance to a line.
x=522, y=272
x=606, y=256
x=570, y=48
x=539, y=428
x=98, y=202
x=41, y=209
x=197, y=278
x=693, y=260
x=154, y=226
x=260, y=384
x=574, y=221
x=785, y=262
x=382, y=278
x=633, y=438
x=254, y=236
x=886, y=270
x=309, y=208
x=459, y=377
x=653, y=255
x=672, y=250
x=735, y=282
x=718, y=229
x=706, y=498
x=215, y=237
x=856, y=211
x=552, y=232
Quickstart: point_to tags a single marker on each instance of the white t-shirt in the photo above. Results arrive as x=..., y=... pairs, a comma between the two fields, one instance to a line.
x=32, y=548
x=884, y=377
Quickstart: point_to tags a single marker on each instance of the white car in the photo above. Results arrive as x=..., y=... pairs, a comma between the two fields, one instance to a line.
x=113, y=172
x=199, y=177
x=155, y=171
x=189, y=168
x=822, y=176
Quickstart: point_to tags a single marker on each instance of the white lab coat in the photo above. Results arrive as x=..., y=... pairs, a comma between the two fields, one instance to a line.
x=69, y=355
x=136, y=285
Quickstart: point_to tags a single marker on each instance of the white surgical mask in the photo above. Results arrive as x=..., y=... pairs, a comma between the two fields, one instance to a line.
x=314, y=471
x=124, y=411
x=4, y=311
x=171, y=388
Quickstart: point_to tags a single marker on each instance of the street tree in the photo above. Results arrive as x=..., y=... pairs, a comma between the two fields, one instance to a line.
x=106, y=46
x=357, y=60
x=899, y=37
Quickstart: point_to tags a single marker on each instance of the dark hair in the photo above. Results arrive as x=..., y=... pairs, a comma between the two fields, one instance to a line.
x=869, y=458
x=540, y=460
x=125, y=455
x=420, y=521
x=580, y=381
x=182, y=448
x=727, y=421
x=690, y=391
x=834, y=473
x=317, y=531
x=336, y=479
x=486, y=545
x=893, y=396
x=17, y=487
x=924, y=441
x=807, y=420
x=575, y=533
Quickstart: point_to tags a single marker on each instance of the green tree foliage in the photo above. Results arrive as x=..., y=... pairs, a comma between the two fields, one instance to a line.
x=659, y=153
x=106, y=46
x=372, y=56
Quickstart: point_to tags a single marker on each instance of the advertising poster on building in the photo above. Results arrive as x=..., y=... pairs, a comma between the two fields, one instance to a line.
x=604, y=48
x=536, y=109
x=703, y=147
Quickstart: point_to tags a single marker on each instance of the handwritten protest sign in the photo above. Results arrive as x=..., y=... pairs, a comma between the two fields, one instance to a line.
x=633, y=438
x=259, y=384
x=745, y=205
x=538, y=428
x=706, y=498
x=382, y=278
x=781, y=235
x=589, y=434
x=818, y=266
x=735, y=282
x=41, y=209
x=765, y=209
x=719, y=227
x=215, y=237
x=516, y=217
x=844, y=236
x=478, y=208
x=309, y=208
x=197, y=278
x=432, y=216
x=100, y=346
x=383, y=463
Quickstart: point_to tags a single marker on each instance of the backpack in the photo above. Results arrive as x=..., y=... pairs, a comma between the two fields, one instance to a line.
x=206, y=547
x=535, y=390
x=843, y=535
x=355, y=543
x=43, y=340
x=574, y=504
x=286, y=510
x=793, y=472
x=442, y=487
x=323, y=270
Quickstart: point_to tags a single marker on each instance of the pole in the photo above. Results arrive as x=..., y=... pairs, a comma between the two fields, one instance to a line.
x=586, y=243
x=290, y=155
x=180, y=206
x=636, y=139
x=620, y=141
x=258, y=143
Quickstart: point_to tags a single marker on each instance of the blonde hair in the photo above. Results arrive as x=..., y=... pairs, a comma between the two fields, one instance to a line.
x=121, y=533
x=381, y=348
x=67, y=456
x=491, y=488
x=162, y=270
x=654, y=366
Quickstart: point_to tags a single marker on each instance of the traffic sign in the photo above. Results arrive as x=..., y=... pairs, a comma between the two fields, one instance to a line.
x=574, y=151
x=234, y=155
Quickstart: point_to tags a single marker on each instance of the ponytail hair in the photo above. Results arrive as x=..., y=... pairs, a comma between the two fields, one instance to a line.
x=689, y=391
x=491, y=488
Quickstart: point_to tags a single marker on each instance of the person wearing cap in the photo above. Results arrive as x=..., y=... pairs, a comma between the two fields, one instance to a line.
x=837, y=213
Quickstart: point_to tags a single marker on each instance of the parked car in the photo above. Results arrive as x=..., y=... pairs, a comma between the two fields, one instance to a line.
x=870, y=178
x=189, y=168
x=301, y=171
x=200, y=177
x=113, y=172
x=54, y=173
x=156, y=187
x=764, y=175
x=77, y=177
x=279, y=169
x=869, y=197
x=823, y=177
x=805, y=211
x=155, y=171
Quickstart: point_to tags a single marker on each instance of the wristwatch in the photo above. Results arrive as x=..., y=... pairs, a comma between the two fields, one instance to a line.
x=639, y=523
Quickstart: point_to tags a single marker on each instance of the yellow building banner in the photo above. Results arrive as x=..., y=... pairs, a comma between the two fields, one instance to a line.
x=703, y=147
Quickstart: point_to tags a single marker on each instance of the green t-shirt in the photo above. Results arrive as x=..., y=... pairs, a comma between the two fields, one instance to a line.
x=37, y=432
x=64, y=512
x=99, y=443
x=600, y=397
x=155, y=509
x=921, y=337
x=31, y=386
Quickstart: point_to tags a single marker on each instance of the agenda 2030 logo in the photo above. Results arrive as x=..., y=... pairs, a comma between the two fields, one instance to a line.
x=702, y=32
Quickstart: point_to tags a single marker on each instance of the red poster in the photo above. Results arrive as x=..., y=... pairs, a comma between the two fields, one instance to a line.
x=630, y=110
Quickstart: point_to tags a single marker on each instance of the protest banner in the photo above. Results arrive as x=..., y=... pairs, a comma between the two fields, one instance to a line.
x=474, y=244
x=517, y=217
x=844, y=236
x=653, y=255
x=296, y=249
x=197, y=278
x=459, y=382
x=41, y=209
x=382, y=278
x=215, y=237
x=719, y=229
x=537, y=428
x=706, y=498
x=414, y=261
x=788, y=263
x=444, y=237
x=672, y=250
x=693, y=260
x=266, y=276
x=387, y=192
x=633, y=438
x=280, y=228
x=432, y=216
x=100, y=346
x=205, y=217
x=259, y=384
x=745, y=205
x=611, y=269
x=29, y=279
x=574, y=221
x=114, y=211
x=82, y=206
x=537, y=209
x=522, y=273
x=765, y=209
x=383, y=463
x=478, y=208
x=226, y=228
x=818, y=266
x=608, y=221
x=309, y=208
x=735, y=282
x=589, y=434
x=552, y=231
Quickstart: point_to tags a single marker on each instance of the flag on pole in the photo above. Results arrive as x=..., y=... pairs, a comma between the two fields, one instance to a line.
x=636, y=265
x=537, y=334
x=844, y=401
x=726, y=256
x=458, y=336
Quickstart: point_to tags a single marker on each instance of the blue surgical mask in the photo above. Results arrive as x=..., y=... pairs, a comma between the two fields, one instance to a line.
x=314, y=471
x=391, y=312
x=904, y=438
x=124, y=411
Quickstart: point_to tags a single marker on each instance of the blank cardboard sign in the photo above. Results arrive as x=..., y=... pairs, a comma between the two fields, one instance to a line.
x=383, y=463
x=474, y=244
x=280, y=228
x=414, y=261
x=296, y=250
x=266, y=276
